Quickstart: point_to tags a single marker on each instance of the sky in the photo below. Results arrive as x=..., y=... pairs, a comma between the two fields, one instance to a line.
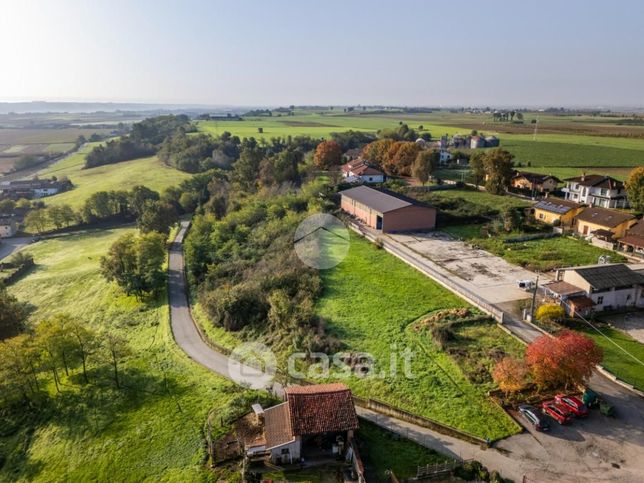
x=342, y=52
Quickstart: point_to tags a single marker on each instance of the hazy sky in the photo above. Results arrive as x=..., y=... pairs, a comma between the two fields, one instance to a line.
x=564, y=52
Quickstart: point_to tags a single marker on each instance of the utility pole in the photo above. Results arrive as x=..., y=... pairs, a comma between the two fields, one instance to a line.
x=536, y=125
x=534, y=299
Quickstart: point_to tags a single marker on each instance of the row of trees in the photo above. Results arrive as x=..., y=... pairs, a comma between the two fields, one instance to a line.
x=566, y=360
x=60, y=347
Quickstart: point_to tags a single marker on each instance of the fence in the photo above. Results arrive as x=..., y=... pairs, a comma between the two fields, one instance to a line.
x=498, y=314
x=387, y=409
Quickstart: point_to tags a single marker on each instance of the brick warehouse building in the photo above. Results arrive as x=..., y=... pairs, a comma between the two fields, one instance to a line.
x=387, y=211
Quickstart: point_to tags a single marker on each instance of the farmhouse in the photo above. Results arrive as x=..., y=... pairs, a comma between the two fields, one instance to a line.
x=556, y=211
x=596, y=190
x=35, y=188
x=633, y=241
x=534, y=182
x=582, y=290
x=8, y=225
x=314, y=421
x=359, y=170
x=387, y=211
x=603, y=223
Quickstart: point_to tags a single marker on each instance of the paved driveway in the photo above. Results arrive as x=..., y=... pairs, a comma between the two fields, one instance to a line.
x=487, y=275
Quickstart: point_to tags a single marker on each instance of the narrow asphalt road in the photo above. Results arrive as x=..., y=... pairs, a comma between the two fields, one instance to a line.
x=598, y=449
x=188, y=336
x=11, y=245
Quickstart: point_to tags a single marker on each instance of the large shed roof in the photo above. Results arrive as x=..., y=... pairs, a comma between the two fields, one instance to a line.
x=380, y=200
x=602, y=277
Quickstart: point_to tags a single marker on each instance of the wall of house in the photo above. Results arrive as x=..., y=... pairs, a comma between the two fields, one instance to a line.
x=618, y=231
x=7, y=230
x=410, y=218
x=373, y=178
x=360, y=211
x=616, y=299
x=294, y=451
x=575, y=279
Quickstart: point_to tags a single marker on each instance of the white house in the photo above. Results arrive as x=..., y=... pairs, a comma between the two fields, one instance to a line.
x=445, y=157
x=359, y=170
x=596, y=190
x=597, y=287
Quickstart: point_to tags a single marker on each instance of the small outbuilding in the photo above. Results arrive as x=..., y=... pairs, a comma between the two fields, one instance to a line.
x=388, y=211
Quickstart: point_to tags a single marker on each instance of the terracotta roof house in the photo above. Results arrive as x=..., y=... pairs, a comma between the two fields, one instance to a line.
x=539, y=183
x=318, y=419
x=387, y=211
x=594, y=221
x=556, y=211
x=596, y=190
x=360, y=170
x=597, y=287
x=633, y=241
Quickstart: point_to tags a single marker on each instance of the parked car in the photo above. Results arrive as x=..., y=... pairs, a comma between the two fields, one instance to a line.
x=572, y=404
x=532, y=415
x=557, y=412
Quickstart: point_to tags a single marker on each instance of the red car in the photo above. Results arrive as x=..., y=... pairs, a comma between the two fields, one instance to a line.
x=558, y=412
x=572, y=404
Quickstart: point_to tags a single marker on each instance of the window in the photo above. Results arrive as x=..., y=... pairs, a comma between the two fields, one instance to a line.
x=600, y=300
x=541, y=216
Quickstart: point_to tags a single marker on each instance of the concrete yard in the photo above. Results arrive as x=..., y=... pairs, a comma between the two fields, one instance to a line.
x=487, y=275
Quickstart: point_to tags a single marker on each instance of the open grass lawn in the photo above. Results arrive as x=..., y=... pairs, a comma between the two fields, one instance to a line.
x=369, y=301
x=150, y=172
x=615, y=360
x=542, y=255
x=483, y=198
x=151, y=430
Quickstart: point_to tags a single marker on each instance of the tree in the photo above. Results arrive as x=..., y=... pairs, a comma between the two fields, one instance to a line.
x=37, y=220
x=512, y=219
x=401, y=157
x=477, y=167
x=12, y=315
x=86, y=343
x=565, y=360
x=425, y=164
x=635, y=188
x=498, y=170
x=139, y=196
x=510, y=374
x=116, y=349
x=327, y=154
x=7, y=206
x=157, y=216
x=550, y=312
x=135, y=263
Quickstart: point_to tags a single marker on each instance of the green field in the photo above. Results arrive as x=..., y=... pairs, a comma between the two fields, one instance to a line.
x=540, y=255
x=369, y=302
x=150, y=172
x=615, y=360
x=151, y=429
x=494, y=202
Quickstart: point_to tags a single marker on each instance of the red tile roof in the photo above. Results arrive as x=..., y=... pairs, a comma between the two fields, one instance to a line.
x=277, y=426
x=321, y=408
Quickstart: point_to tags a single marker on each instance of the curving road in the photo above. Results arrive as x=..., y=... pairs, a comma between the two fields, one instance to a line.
x=598, y=449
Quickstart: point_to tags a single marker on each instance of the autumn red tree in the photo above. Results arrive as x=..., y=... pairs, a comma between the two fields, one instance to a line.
x=565, y=360
x=327, y=154
x=404, y=157
x=376, y=151
x=510, y=374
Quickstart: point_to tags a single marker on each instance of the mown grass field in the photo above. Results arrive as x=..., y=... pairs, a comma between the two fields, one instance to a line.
x=369, y=300
x=615, y=360
x=150, y=172
x=542, y=255
x=148, y=431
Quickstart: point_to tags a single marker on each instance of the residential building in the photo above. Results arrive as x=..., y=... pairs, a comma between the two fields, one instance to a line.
x=360, y=170
x=633, y=241
x=604, y=223
x=558, y=212
x=534, y=182
x=387, y=211
x=445, y=157
x=492, y=142
x=477, y=142
x=351, y=154
x=583, y=290
x=36, y=188
x=8, y=225
x=596, y=190
x=318, y=419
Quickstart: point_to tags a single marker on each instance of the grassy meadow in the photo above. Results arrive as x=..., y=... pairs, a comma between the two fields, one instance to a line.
x=149, y=430
x=369, y=302
x=150, y=172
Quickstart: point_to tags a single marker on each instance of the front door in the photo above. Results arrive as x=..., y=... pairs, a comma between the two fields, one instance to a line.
x=585, y=229
x=378, y=222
